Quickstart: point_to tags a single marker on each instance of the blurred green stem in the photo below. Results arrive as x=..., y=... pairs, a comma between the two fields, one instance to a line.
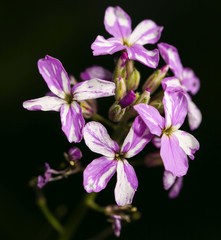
x=41, y=202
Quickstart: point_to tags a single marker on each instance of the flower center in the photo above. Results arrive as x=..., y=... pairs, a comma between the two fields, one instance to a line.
x=68, y=98
x=119, y=156
x=126, y=43
x=168, y=131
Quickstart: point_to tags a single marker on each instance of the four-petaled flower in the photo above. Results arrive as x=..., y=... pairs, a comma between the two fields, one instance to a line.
x=65, y=99
x=185, y=80
x=99, y=171
x=175, y=144
x=118, y=24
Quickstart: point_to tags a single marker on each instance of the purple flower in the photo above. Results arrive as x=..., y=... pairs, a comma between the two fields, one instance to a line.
x=96, y=72
x=65, y=99
x=98, y=173
x=172, y=183
x=175, y=144
x=42, y=180
x=118, y=24
x=185, y=80
x=116, y=225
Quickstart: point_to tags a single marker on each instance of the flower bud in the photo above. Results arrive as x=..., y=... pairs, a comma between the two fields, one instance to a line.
x=153, y=82
x=116, y=112
x=89, y=107
x=128, y=99
x=144, y=97
x=120, y=90
x=133, y=80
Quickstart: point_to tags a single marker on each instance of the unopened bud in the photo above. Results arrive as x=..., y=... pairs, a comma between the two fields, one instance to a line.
x=133, y=80
x=144, y=97
x=88, y=107
x=121, y=89
x=153, y=82
x=153, y=159
x=116, y=112
x=128, y=99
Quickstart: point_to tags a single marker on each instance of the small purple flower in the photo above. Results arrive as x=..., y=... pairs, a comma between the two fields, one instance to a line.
x=65, y=99
x=118, y=24
x=128, y=99
x=185, y=80
x=98, y=173
x=42, y=180
x=173, y=184
x=96, y=72
x=116, y=225
x=175, y=144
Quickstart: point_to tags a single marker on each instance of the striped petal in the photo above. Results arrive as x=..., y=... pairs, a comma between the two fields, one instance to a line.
x=146, y=32
x=102, y=46
x=175, y=108
x=140, y=54
x=190, y=81
x=174, y=158
x=94, y=88
x=137, y=138
x=175, y=190
x=168, y=180
x=127, y=183
x=171, y=56
x=98, y=140
x=72, y=121
x=172, y=84
x=151, y=117
x=46, y=103
x=98, y=173
x=96, y=72
x=187, y=142
x=194, y=114
x=54, y=75
x=117, y=22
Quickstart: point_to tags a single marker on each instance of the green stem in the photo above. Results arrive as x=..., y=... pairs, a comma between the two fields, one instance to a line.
x=99, y=118
x=76, y=218
x=93, y=205
x=41, y=202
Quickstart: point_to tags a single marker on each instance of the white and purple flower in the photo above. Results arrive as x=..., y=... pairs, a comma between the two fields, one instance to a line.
x=185, y=80
x=65, y=99
x=175, y=144
x=118, y=24
x=98, y=173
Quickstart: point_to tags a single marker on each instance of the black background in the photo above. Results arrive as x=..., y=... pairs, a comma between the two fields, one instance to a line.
x=65, y=30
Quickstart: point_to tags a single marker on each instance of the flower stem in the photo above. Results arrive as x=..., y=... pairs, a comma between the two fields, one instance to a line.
x=41, y=202
x=76, y=218
x=99, y=118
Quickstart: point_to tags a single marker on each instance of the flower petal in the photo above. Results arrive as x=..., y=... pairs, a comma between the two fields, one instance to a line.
x=175, y=108
x=98, y=173
x=172, y=84
x=175, y=190
x=117, y=22
x=171, y=56
x=54, y=75
x=137, y=138
x=102, y=46
x=194, y=114
x=187, y=142
x=94, y=88
x=151, y=117
x=96, y=72
x=174, y=158
x=168, y=179
x=190, y=81
x=98, y=140
x=46, y=103
x=127, y=183
x=72, y=121
x=146, y=32
x=140, y=54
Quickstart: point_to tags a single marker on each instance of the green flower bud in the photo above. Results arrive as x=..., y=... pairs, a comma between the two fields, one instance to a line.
x=133, y=80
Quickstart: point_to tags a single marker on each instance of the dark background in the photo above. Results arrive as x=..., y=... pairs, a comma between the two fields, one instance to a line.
x=65, y=30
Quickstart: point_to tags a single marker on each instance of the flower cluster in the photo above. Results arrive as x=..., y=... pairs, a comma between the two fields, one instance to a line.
x=154, y=114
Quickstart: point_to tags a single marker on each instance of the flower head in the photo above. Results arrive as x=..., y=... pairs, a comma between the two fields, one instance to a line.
x=98, y=173
x=185, y=80
x=65, y=99
x=175, y=144
x=118, y=24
